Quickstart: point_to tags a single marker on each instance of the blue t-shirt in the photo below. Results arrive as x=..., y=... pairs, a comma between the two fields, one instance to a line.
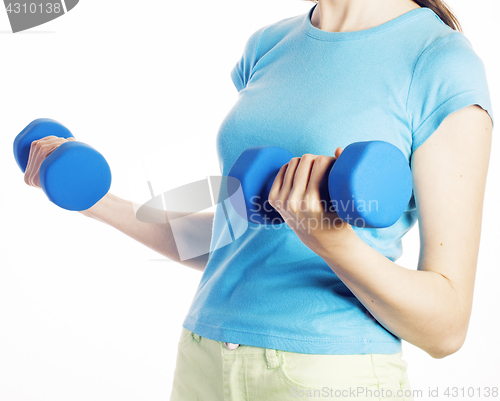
x=311, y=91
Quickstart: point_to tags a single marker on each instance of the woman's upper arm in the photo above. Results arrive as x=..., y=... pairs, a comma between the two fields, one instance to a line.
x=449, y=176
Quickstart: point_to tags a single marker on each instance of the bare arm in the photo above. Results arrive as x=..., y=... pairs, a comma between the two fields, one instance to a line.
x=120, y=214
x=430, y=307
x=192, y=234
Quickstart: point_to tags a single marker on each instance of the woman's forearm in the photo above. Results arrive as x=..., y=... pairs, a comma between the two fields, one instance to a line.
x=418, y=306
x=121, y=214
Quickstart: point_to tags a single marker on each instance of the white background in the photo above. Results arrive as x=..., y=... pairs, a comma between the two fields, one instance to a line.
x=86, y=313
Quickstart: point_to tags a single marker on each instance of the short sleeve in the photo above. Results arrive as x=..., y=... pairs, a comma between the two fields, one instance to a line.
x=241, y=72
x=447, y=77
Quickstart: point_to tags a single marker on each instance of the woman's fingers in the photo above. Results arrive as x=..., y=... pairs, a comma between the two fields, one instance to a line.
x=291, y=181
x=39, y=151
x=288, y=180
x=302, y=174
x=303, y=179
x=276, y=187
x=317, y=188
x=283, y=183
x=34, y=155
x=320, y=170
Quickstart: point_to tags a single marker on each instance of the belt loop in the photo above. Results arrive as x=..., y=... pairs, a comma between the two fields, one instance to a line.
x=272, y=358
x=196, y=337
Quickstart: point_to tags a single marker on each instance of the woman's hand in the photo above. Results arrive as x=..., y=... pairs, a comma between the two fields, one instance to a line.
x=39, y=151
x=300, y=193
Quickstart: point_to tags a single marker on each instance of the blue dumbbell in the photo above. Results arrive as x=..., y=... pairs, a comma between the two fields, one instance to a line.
x=369, y=185
x=74, y=176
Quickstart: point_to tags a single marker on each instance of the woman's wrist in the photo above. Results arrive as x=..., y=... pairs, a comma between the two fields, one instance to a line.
x=336, y=246
x=97, y=211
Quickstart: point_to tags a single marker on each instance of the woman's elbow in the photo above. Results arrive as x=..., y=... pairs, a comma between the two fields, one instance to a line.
x=447, y=347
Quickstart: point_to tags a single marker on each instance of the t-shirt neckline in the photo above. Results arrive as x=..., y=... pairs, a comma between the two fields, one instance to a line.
x=319, y=34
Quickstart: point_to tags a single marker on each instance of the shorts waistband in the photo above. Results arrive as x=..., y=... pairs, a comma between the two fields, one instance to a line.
x=274, y=356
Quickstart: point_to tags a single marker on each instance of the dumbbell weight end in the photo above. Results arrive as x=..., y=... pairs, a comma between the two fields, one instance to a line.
x=74, y=176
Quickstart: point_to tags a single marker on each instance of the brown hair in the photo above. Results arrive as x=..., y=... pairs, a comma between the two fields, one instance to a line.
x=441, y=9
x=443, y=12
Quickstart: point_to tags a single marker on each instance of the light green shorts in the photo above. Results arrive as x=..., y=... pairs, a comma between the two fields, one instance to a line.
x=207, y=370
